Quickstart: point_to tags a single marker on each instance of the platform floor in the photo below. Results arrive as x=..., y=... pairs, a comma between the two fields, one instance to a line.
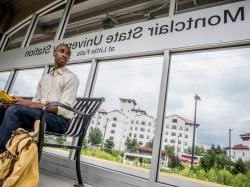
x=48, y=179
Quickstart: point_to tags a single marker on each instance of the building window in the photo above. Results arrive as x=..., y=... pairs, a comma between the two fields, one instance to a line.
x=136, y=128
x=172, y=141
x=149, y=123
x=186, y=136
x=243, y=154
x=137, y=122
x=98, y=123
x=181, y=128
x=132, y=121
x=142, y=129
x=135, y=135
x=174, y=127
x=131, y=128
x=140, y=143
x=166, y=140
x=141, y=136
x=148, y=130
x=173, y=134
x=167, y=126
x=185, y=143
x=143, y=123
x=113, y=125
x=180, y=135
x=187, y=129
x=111, y=137
x=179, y=142
x=112, y=131
x=130, y=134
x=174, y=120
x=114, y=118
x=147, y=137
x=166, y=133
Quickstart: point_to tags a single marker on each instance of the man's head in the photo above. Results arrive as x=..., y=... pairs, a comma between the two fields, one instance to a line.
x=61, y=54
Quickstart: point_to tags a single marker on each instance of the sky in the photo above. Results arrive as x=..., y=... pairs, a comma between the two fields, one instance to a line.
x=221, y=78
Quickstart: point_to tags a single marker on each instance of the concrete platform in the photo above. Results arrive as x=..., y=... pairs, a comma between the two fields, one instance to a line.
x=48, y=179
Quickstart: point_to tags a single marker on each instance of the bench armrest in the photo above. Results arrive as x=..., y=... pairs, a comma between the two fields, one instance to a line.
x=48, y=105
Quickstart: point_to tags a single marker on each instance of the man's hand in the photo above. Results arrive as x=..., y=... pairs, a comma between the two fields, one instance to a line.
x=21, y=101
x=27, y=103
x=37, y=105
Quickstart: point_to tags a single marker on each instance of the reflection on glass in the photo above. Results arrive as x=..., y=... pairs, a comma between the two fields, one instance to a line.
x=47, y=26
x=221, y=81
x=3, y=79
x=82, y=72
x=26, y=82
x=15, y=41
x=125, y=124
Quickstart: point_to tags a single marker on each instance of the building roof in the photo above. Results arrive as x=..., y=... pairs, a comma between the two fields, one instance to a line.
x=139, y=110
x=145, y=149
x=102, y=110
x=144, y=115
x=129, y=100
x=187, y=121
x=117, y=111
x=240, y=146
x=245, y=136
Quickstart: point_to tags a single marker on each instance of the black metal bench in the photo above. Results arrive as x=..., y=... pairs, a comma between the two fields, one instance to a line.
x=84, y=109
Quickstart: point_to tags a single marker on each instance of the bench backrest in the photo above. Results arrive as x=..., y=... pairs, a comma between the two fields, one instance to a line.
x=80, y=123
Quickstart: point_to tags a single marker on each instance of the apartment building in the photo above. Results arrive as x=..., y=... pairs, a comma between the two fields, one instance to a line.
x=134, y=123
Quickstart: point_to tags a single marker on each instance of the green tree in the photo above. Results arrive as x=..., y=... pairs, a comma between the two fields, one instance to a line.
x=169, y=150
x=109, y=145
x=150, y=144
x=239, y=167
x=215, y=158
x=131, y=144
x=198, y=150
x=60, y=139
x=95, y=136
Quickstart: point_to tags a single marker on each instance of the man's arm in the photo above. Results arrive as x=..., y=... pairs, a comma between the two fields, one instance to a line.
x=31, y=104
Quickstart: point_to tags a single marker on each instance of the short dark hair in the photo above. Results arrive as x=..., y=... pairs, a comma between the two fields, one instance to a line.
x=63, y=44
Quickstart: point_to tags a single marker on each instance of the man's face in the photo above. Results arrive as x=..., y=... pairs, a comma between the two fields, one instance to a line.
x=62, y=55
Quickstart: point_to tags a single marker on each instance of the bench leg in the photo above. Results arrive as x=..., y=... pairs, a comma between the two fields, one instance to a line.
x=78, y=169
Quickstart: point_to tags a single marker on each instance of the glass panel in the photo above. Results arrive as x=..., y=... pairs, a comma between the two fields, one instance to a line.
x=183, y=5
x=87, y=16
x=123, y=129
x=15, y=40
x=26, y=82
x=221, y=79
x=3, y=79
x=47, y=26
x=82, y=72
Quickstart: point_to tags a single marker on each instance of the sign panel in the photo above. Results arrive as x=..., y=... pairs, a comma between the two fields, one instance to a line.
x=217, y=25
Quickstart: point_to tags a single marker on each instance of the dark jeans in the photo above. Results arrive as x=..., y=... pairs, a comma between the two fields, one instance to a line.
x=18, y=116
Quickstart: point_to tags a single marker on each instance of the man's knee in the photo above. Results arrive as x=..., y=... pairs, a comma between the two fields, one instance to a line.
x=13, y=109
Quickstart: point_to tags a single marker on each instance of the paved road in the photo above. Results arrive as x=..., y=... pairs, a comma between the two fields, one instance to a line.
x=141, y=172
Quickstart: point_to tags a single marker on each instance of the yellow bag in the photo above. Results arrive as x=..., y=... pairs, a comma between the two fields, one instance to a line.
x=19, y=164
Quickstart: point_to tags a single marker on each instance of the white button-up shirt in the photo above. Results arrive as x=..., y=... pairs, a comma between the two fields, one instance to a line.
x=58, y=85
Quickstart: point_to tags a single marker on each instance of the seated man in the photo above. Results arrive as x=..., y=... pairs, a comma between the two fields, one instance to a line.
x=59, y=85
